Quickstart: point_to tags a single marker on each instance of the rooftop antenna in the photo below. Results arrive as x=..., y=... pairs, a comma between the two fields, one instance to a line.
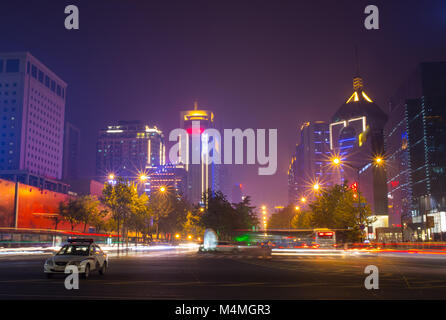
x=195, y=104
x=357, y=80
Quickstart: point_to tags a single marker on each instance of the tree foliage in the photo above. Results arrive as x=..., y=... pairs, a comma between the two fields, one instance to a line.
x=282, y=218
x=336, y=208
x=224, y=218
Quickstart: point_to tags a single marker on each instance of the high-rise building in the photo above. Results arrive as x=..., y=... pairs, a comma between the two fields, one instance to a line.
x=125, y=149
x=32, y=115
x=399, y=188
x=201, y=176
x=172, y=177
x=420, y=105
x=309, y=162
x=237, y=193
x=356, y=135
x=71, y=152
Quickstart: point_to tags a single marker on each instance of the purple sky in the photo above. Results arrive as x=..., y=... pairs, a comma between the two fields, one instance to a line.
x=256, y=64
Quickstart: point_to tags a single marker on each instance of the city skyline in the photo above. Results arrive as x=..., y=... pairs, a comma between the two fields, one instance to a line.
x=227, y=153
x=293, y=86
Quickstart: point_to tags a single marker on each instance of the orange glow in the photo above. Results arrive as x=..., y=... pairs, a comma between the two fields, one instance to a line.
x=336, y=161
x=379, y=160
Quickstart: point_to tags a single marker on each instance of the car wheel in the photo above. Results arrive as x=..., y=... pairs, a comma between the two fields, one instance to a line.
x=49, y=275
x=86, y=274
x=103, y=269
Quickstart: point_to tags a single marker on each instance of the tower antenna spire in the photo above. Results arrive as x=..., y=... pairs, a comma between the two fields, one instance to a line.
x=357, y=60
x=195, y=104
x=357, y=80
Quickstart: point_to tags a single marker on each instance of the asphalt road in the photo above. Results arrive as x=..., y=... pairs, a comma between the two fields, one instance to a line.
x=190, y=275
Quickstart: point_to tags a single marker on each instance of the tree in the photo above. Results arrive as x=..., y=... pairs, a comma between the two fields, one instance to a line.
x=245, y=213
x=192, y=224
x=302, y=220
x=283, y=218
x=89, y=211
x=337, y=208
x=119, y=197
x=225, y=218
x=219, y=214
x=161, y=205
x=174, y=222
x=140, y=214
x=70, y=211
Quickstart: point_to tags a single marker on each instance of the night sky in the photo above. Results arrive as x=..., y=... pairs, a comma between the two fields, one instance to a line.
x=256, y=64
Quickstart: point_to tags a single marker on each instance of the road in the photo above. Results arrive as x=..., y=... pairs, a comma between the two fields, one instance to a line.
x=190, y=275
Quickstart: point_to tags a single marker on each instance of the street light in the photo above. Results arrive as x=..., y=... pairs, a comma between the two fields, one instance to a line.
x=303, y=199
x=316, y=187
x=336, y=161
x=162, y=189
x=143, y=177
x=378, y=161
x=297, y=208
x=111, y=176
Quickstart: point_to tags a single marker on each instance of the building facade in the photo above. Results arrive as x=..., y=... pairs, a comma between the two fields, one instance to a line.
x=32, y=116
x=357, y=137
x=125, y=150
x=172, y=177
x=71, y=152
x=309, y=162
x=422, y=99
x=399, y=188
x=201, y=175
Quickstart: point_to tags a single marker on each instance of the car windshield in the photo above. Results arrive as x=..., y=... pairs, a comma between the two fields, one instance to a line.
x=74, y=250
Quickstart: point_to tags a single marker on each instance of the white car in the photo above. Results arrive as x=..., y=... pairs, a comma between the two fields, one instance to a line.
x=83, y=253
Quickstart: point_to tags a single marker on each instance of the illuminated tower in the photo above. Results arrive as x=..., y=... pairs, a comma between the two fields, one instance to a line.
x=200, y=176
x=127, y=148
x=356, y=134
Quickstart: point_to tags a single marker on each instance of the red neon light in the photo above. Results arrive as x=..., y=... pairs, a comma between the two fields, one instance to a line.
x=195, y=130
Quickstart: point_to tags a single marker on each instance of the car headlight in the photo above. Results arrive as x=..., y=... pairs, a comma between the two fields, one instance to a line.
x=49, y=262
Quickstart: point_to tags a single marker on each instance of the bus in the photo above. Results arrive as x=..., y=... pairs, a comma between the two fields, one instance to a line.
x=324, y=237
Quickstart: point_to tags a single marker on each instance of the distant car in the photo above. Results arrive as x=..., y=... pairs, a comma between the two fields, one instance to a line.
x=220, y=246
x=226, y=246
x=83, y=253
